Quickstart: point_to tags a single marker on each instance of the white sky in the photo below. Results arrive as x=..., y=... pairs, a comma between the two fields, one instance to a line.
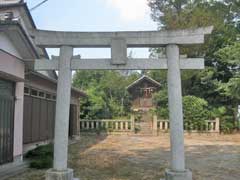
x=131, y=10
x=94, y=15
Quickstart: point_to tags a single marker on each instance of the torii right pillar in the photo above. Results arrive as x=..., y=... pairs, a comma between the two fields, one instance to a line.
x=178, y=170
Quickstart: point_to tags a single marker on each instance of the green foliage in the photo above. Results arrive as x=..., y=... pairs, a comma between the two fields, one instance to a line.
x=160, y=99
x=41, y=157
x=218, y=84
x=227, y=125
x=195, y=112
x=231, y=88
x=218, y=112
x=230, y=55
x=195, y=109
x=107, y=94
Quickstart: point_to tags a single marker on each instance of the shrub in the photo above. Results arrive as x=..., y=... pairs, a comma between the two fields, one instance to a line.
x=195, y=112
x=195, y=108
x=41, y=157
x=227, y=125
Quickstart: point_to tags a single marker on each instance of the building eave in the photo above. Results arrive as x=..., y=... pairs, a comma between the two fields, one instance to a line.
x=16, y=33
x=23, y=5
x=141, y=79
x=81, y=93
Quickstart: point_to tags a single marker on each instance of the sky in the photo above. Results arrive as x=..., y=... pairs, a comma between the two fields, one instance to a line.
x=94, y=15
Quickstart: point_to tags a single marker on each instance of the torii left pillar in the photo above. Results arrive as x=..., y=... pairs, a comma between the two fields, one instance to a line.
x=60, y=170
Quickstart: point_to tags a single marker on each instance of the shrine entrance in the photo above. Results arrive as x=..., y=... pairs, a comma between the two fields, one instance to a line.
x=119, y=42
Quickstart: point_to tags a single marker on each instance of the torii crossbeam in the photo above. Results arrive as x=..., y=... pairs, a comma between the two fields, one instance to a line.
x=119, y=42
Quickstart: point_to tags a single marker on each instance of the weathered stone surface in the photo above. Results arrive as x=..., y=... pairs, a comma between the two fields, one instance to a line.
x=131, y=64
x=62, y=109
x=174, y=175
x=133, y=38
x=175, y=109
x=118, y=51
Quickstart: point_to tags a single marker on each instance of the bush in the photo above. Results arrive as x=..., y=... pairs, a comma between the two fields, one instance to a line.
x=160, y=99
x=41, y=157
x=227, y=125
x=195, y=112
x=195, y=109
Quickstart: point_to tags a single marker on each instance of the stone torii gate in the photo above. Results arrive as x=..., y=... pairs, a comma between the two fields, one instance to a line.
x=119, y=42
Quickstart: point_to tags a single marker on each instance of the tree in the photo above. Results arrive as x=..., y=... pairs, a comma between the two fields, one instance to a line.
x=107, y=95
x=230, y=55
x=224, y=16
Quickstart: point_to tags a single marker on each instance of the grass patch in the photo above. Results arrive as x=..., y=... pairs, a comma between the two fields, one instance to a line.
x=41, y=157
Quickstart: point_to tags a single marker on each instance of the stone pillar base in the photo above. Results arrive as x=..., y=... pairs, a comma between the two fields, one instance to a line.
x=52, y=174
x=174, y=175
x=76, y=137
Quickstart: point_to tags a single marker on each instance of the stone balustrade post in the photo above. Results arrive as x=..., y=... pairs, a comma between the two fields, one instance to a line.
x=87, y=124
x=126, y=126
x=161, y=125
x=132, y=123
x=121, y=125
x=97, y=124
x=106, y=124
x=212, y=126
x=217, y=125
x=155, y=125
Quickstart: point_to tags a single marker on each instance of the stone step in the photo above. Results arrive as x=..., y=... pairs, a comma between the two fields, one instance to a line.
x=145, y=126
x=141, y=134
x=146, y=129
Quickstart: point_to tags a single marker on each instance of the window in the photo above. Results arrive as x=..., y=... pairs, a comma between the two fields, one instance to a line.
x=41, y=94
x=34, y=92
x=48, y=96
x=26, y=91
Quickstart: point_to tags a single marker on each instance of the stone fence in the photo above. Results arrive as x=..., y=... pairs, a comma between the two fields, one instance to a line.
x=108, y=125
x=127, y=126
x=210, y=126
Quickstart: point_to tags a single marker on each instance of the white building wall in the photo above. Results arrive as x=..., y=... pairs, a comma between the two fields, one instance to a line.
x=6, y=45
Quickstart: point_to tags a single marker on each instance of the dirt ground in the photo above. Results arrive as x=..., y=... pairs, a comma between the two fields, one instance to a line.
x=210, y=157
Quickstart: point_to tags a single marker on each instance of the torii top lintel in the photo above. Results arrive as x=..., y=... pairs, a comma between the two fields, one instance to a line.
x=54, y=39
